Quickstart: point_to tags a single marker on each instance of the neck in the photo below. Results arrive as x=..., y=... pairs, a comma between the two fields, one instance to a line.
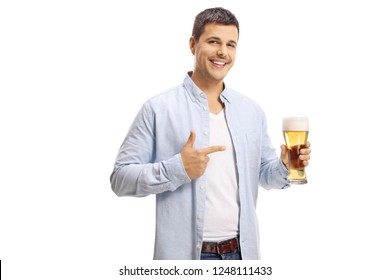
x=212, y=88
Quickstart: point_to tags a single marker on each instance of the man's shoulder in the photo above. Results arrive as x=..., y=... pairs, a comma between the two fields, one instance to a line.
x=242, y=100
x=168, y=95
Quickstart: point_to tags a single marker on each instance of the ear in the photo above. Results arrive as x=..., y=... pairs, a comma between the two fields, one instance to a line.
x=192, y=45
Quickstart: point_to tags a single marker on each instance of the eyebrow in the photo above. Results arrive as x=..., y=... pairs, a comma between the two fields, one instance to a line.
x=219, y=39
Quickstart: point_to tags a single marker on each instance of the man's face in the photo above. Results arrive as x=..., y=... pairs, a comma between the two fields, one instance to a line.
x=215, y=52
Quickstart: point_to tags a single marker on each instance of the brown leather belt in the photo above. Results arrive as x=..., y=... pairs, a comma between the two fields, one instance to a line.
x=223, y=247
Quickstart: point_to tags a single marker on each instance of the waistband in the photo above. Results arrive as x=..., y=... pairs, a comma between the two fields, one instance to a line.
x=223, y=247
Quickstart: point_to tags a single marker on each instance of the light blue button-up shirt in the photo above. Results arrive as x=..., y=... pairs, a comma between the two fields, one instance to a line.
x=149, y=162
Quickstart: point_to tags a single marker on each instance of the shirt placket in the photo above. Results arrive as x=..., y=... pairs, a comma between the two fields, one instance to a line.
x=203, y=140
x=236, y=134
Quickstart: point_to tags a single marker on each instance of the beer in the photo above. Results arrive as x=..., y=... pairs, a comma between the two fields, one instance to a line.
x=295, y=132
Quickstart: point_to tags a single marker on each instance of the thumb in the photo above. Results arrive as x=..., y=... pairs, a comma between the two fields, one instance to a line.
x=191, y=140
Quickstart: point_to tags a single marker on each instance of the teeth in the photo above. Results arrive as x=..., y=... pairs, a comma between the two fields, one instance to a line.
x=219, y=62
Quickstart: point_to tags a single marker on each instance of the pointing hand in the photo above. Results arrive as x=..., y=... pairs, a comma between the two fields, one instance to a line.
x=195, y=161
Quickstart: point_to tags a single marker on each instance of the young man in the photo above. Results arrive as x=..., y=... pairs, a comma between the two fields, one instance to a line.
x=203, y=149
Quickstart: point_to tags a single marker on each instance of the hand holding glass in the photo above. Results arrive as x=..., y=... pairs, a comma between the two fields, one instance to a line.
x=295, y=132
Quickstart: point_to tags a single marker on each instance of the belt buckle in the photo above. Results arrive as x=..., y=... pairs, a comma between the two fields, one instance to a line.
x=218, y=252
x=229, y=242
x=219, y=243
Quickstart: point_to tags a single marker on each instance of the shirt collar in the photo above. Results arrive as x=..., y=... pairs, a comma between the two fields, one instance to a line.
x=195, y=92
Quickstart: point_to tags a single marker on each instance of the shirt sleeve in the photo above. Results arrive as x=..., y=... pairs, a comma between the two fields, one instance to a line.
x=273, y=173
x=135, y=172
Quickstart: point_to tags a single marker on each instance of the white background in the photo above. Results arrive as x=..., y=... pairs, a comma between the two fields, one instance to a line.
x=73, y=74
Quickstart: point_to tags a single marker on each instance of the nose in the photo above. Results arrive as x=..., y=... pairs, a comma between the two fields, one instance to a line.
x=221, y=52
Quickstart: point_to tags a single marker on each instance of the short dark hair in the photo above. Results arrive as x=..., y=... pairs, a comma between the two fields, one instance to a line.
x=216, y=15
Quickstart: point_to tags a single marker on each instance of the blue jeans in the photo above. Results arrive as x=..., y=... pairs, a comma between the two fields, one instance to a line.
x=235, y=255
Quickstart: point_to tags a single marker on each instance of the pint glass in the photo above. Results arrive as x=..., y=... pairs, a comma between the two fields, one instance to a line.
x=295, y=132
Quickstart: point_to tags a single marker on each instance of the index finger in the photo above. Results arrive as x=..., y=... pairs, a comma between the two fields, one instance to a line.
x=212, y=149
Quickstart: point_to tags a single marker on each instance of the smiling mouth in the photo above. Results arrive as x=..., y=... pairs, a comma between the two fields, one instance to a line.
x=218, y=63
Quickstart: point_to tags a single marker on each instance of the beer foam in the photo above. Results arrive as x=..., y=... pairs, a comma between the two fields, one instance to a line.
x=296, y=124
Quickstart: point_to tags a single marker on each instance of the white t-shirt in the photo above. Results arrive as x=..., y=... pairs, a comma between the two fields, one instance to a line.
x=222, y=201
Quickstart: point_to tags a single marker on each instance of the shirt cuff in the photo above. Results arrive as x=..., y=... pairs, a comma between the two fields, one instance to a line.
x=176, y=172
x=284, y=172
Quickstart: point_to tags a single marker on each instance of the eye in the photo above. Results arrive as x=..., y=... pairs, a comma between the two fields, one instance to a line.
x=232, y=46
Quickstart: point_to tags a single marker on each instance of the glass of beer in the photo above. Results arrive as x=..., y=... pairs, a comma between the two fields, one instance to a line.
x=295, y=132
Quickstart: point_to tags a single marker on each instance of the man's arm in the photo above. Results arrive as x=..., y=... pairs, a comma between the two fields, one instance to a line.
x=135, y=172
x=273, y=172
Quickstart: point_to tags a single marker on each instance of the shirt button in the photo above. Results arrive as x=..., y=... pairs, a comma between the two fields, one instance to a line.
x=199, y=217
x=206, y=133
x=202, y=187
x=198, y=245
x=204, y=108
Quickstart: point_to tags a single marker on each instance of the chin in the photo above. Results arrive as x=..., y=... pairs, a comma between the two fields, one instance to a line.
x=219, y=76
